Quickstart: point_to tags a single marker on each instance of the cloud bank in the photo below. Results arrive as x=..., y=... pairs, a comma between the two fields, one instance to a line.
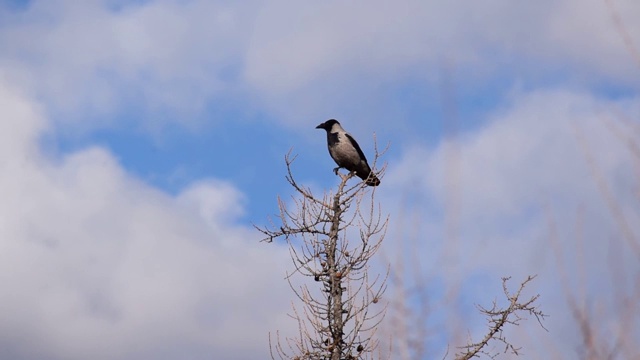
x=97, y=264
x=297, y=60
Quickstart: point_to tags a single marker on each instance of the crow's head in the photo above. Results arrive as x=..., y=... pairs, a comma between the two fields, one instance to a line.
x=327, y=125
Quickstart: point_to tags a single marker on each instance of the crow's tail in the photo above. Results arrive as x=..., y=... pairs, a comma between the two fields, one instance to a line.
x=370, y=179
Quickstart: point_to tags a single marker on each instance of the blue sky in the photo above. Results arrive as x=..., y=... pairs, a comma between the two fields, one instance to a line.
x=142, y=140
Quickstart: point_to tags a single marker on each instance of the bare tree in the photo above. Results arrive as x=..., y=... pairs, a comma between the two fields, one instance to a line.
x=608, y=323
x=338, y=317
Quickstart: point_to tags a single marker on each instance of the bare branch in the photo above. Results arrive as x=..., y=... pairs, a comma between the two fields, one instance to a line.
x=498, y=318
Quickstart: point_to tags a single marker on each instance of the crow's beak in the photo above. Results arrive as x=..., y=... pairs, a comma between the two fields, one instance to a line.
x=321, y=126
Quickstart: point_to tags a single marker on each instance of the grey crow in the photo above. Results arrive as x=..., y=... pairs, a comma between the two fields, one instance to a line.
x=346, y=152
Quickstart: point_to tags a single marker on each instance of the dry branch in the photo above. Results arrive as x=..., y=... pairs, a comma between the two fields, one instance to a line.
x=498, y=318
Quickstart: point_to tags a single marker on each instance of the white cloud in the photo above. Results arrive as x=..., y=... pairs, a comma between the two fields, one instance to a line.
x=499, y=187
x=313, y=51
x=299, y=59
x=163, y=55
x=96, y=264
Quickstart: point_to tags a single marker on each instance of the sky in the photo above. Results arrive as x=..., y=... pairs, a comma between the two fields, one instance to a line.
x=142, y=140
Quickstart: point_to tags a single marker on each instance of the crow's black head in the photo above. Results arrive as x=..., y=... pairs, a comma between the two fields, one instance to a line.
x=327, y=124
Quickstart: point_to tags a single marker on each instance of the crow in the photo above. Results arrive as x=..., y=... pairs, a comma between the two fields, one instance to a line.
x=346, y=152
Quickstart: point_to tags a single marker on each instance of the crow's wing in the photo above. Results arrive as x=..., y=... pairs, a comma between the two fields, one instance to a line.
x=355, y=145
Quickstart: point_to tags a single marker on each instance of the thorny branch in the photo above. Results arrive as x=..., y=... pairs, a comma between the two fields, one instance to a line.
x=498, y=318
